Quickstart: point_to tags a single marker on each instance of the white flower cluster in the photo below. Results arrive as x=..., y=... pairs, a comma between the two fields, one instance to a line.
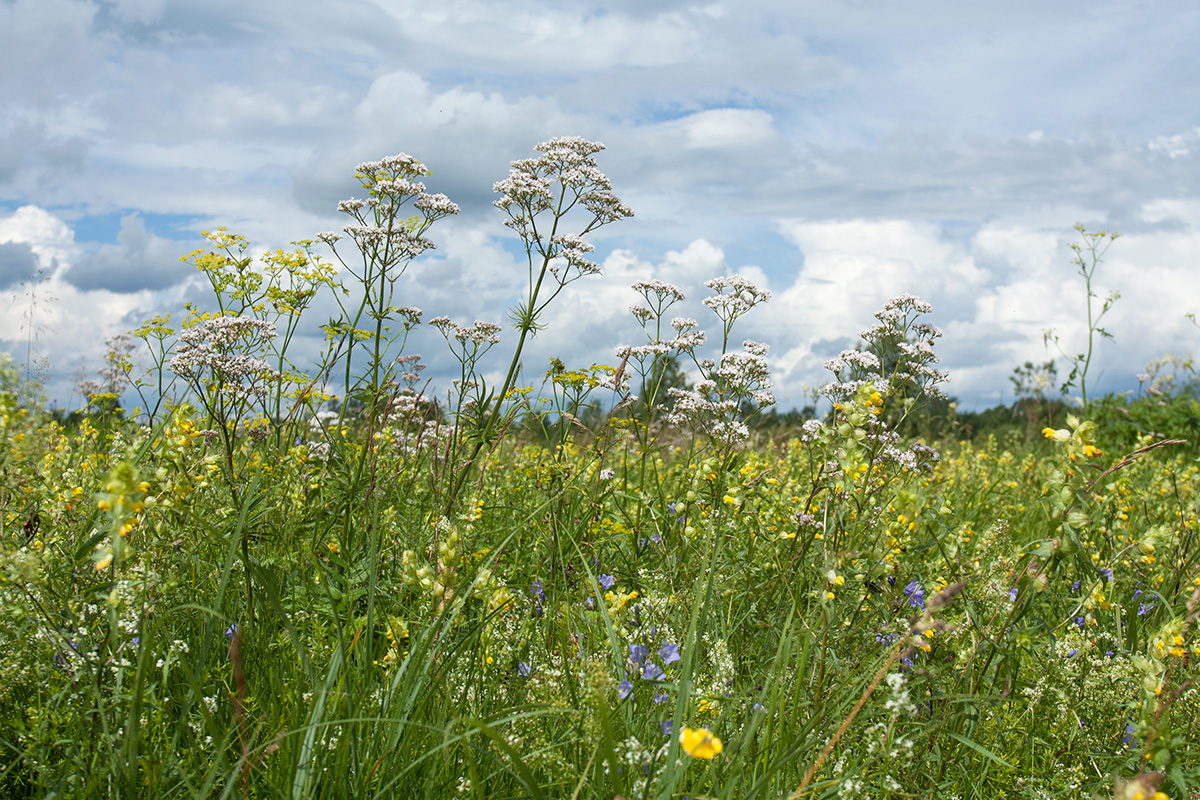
x=717, y=399
x=572, y=249
x=892, y=362
x=379, y=231
x=216, y=348
x=530, y=188
x=735, y=295
x=402, y=242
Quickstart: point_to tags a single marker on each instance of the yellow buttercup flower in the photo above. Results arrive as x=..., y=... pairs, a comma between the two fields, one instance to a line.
x=699, y=742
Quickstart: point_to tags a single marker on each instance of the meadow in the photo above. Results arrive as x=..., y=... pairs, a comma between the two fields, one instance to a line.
x=234, y=576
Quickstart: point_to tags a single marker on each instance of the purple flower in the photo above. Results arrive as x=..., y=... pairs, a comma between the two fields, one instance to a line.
x=607, y=582
x=523, y=670
x=661, y=698
x=539, y=597
x=915, y=594
x=1079, y=622
x=623, y=689
x=1012, y=594
x=1107, y=573
x=1145, y=608
x=651, y=672
x=1073, y=652
x=230, y=631
x=666, y=726
x=1128, y=737
x=669, y=653
x=638, y=653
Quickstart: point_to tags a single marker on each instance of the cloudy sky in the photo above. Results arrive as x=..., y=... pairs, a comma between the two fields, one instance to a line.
x=837, y=151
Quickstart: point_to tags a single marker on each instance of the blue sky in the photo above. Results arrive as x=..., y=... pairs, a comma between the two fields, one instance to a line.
x=840, y=152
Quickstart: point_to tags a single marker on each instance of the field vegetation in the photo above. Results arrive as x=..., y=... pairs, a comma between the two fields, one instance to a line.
x=631, y=580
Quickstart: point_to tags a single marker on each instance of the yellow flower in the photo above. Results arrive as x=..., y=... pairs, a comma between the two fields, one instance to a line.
x=699, y=742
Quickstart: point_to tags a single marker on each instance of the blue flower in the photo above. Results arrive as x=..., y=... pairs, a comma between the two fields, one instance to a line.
x=915, y=594
x=666, y=726
x=651, y=672
x=638, y=653
x=523, y=670
x=669, y=653
x=607, y=582
x=1107, y=573
x=230, y=631
x=661, y=698
x=623, y=689
x=1012, y=594
x=1128, y=737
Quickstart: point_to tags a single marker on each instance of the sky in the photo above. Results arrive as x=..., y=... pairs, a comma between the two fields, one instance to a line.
x=836, y=152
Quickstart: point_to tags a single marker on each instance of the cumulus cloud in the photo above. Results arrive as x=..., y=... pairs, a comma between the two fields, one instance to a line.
x=137, y=262
x=839, y=152
x=17, y=263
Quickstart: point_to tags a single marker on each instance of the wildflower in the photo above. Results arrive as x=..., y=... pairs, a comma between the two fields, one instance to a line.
x=669, y=653
x=607, y=582
x=914, y=594
x=651, y=672
x=623, y=689
x=699, y=742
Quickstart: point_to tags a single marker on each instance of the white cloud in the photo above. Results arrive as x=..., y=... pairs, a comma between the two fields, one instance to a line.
x=945, y=152
x=543, y=35
x=728, y=127
x=1178, y=145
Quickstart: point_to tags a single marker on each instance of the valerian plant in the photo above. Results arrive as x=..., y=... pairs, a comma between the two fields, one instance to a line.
x=1088, y=256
